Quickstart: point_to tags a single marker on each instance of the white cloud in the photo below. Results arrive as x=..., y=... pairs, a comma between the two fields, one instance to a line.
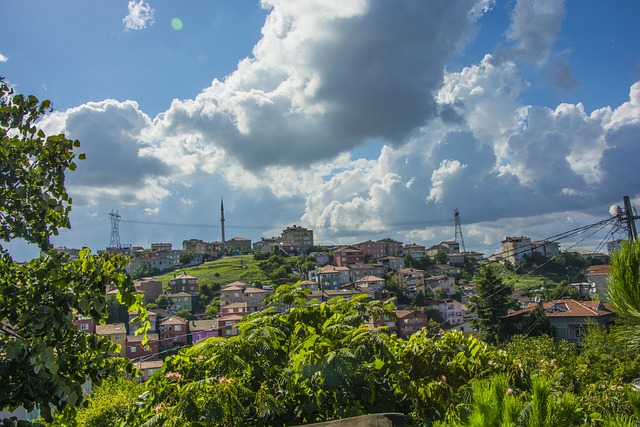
x=323, y=79
x=140, y=15
x=274, y=137
x=3, y=58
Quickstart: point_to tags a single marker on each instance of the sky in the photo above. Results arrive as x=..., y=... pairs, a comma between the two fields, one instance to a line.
x=360, y=120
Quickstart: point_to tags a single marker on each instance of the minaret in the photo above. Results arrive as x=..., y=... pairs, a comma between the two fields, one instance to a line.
x=222, y=218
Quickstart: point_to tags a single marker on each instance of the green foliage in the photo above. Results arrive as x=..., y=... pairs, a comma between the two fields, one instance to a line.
x=623, y=291
x=109, y=402
x=45, y=359
x=213, y=309
x=224, y=270
x=117, y=312
x=491, y=303
x=34, y=201
x=307, y=364
x=433, y=370
x=185, y=259
x=185, y=314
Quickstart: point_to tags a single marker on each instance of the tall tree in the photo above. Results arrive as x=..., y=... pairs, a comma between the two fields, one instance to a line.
x=44, y=358
x=491, y=303
x=623, y=291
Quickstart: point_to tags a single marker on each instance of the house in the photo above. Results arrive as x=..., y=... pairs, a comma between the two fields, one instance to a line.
x=117, y=334
x=414, y=250
x=265, y=245
x=152, y=318
x=85, y=324
x=392, y=248
x=569, y=317
x=375, y=250
x=322, y=258
x=458, y=259
x=444, y=282
x=184, y=283
x=450, y=310
x=371, y=282
x=240, y=292
x=71, y=252
x=448, y=248
x=326, y=295
x=234, y=308
x=232, y=293
x=392, y=262
x=228, y=324
x=202, y=329
x=409, y=322
x=598, y=275
x=173, y=332
x=584, y=289
x=135, y=349
x=330, y=277
x=156, y=263
x=546, y=248
x=181, y=301
x=358, y=271
x=440, y=269
x=148, y=367
x=255, y=298
x=150, y=289
x=515, y=248
x=239, y=244
x=410, y=279
x=380, y=320
x=299, y=237
x=347, y=255
x=161, y=247
x=208, y=249
x=307, y=284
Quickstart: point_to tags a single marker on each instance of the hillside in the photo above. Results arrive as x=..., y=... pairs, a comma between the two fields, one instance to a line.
x=222, y=271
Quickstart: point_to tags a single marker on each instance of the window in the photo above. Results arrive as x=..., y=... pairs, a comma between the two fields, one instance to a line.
x=84, y=326
x=177, y=328
x=133, y=349
x=118, y=337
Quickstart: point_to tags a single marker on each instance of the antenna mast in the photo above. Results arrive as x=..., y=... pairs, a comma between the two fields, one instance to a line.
x=458, y=230
x=115, y=230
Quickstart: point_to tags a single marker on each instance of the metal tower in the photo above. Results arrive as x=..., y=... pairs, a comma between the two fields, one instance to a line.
x=458, y=230
x=115, y=230
x=222, y=218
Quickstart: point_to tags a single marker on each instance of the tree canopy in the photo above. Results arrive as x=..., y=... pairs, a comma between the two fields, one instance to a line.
x=44, y=358
x=491, y=303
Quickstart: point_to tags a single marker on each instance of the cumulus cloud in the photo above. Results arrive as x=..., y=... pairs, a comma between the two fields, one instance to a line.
x=116, y=167
x=3, y=58
x=275, y=136
x=323, y=79
x=139, y=17
x=535, y=25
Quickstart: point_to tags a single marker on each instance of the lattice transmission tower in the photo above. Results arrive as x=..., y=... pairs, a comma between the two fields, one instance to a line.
x=115, y=230
x=458, y=232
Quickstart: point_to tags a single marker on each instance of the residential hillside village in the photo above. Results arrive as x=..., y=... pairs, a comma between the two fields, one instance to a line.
x=434, y=295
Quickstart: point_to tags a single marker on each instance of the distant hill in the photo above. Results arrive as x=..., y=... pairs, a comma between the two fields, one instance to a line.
x=222, y=271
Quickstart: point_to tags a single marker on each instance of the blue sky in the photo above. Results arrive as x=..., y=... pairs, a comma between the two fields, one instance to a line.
x=362, y=119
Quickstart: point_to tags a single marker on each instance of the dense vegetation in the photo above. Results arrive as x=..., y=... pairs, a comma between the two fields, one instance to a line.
x=44, y=358
x=322, y=361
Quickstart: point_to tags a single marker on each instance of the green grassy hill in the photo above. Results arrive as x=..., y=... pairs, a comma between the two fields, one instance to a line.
x=222, y=271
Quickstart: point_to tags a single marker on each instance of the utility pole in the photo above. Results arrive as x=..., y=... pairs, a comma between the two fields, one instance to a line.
x=630, y=219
